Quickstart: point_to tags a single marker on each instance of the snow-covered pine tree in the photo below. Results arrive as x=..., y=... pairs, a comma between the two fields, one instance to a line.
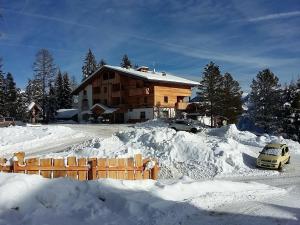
x=101, y=63
x=231, y=101
x=295, y=115
x=89, y=65
x=21, y=105
x=44, y=71
x=210, y=90
x=126, y=63
x=10, y=95
x=265, y=97
x=59, y=92
x=73, y=82
x=287, y=96
x=34, y=91
x=2, y=90
x=51, y=103
x=67, y=90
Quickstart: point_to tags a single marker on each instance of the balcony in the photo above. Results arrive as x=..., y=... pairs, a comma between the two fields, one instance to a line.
x=181, y=105
x=139, y=91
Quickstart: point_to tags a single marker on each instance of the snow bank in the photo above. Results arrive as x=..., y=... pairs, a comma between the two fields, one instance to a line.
x=212, y=152
x=30, y=199
x=34, y=138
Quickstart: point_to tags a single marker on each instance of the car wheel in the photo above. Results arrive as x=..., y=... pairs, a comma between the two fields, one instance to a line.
x=174, y=128
x=280, y=167
x=194, y=130
x=289, y=161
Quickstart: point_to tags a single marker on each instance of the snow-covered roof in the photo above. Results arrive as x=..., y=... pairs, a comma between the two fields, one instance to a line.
x=106, y=109
x=149, y=75
x=154, y=76
x=66, y=113
x=33, y=104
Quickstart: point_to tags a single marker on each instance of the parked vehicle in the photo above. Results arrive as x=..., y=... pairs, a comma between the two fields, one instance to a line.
x=185, y=125
x=7, y=121
x=274, y=156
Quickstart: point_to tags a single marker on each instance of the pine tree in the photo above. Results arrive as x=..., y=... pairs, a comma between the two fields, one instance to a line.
x=89, y=66
x=210, y=90
x=21, y=105
x=286, y=112
x=67, y=90
x=231, y=104
x=10, y=96
x=2, y=91
x=59, y=91
x=44, y=70
x=295, y=113
x=73, y=82
x=34, y=91
x=102, y=63
x=52, y=103
x=126, y=63
x=265, y=97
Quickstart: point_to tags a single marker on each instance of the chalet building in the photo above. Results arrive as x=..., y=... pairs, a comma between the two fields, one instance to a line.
x=127, y=95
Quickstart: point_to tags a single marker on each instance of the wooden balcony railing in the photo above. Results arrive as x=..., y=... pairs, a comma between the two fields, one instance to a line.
x=139, y=91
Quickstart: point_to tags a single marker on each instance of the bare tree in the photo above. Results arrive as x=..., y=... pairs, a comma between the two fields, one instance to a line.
x=44, y=72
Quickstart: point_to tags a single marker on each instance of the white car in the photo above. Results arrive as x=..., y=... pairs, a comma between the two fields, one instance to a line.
x=183, y=125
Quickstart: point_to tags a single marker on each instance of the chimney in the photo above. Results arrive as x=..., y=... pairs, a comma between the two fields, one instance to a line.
x=144, y=69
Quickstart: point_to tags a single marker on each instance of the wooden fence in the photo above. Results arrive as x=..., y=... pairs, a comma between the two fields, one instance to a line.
x=83, y=168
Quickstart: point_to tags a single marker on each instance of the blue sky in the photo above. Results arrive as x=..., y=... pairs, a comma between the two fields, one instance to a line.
x=179, y=37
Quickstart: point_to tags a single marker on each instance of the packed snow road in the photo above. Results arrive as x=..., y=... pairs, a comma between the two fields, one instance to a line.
x=39, y=140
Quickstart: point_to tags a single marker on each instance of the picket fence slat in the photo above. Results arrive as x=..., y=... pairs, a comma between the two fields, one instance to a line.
x=46, y=163
x=82, y=175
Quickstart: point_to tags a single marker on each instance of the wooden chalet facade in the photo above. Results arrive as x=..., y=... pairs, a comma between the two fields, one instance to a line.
x=127, y=95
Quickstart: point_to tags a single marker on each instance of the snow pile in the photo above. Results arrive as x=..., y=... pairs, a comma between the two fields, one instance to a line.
x=210, y=153
x=34, y=138
x=30, y=199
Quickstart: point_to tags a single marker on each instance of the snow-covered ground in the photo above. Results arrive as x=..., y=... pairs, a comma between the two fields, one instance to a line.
x=206, y=178
x=31, y=199
x=37, y=139
x=217, y=152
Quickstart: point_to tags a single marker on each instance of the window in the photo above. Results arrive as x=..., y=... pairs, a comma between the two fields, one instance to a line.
x=95, y=101
x=85, y=104
x=96, y=90
x=166, y=99
x=143, y=115
x=116, y=87
x=84, y=92
x=105, y=101
x=105, y=76
x=105, y=89
x=111, y=75
x=116, y=101
x=145, y=100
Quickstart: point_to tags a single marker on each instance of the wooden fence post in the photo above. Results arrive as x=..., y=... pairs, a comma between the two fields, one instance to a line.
x=154, y=172
x=92, y=174
x=18, y=160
